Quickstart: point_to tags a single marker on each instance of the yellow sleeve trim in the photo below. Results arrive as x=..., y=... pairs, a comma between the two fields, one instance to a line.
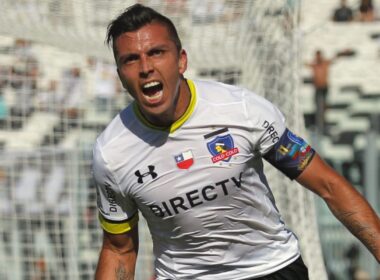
x=118, y=227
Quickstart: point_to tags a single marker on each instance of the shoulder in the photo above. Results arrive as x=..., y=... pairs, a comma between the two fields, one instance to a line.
x=235, y=100
x=221, y=93
x=115, y=129
x=105, y=147
x=216, y=91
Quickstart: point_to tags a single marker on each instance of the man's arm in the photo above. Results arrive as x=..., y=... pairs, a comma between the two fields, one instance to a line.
x=347, y=204
x=118, y=256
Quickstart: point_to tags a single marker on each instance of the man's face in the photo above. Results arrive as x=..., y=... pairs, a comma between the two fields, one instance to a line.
x=150, y=68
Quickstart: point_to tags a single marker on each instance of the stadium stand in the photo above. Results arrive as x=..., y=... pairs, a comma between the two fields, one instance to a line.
x=353, y=111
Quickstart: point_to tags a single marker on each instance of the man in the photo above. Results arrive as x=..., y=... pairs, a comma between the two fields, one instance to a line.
x=211, y=213
x=343, y=13
x=320, y=70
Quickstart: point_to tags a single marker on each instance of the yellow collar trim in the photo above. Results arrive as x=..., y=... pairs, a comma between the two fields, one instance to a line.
x=178, y=123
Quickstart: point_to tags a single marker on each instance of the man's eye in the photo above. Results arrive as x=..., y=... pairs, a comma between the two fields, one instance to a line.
x=130, y=59
x=156, y=52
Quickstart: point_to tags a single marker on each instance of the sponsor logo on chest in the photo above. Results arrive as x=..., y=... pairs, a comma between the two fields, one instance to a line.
x=196, y=197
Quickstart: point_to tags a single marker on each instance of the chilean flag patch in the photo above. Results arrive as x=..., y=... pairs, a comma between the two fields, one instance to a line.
x=184, y=160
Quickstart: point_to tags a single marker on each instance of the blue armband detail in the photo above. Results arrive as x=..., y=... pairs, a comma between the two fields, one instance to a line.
x=291, y=154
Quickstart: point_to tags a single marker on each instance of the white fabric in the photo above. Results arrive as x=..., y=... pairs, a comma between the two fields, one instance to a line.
x=212, y=220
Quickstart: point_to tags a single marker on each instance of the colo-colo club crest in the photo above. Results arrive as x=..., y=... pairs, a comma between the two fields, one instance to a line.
x=222, y=148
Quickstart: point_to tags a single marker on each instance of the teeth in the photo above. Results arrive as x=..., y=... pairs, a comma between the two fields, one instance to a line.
x=151, y=84
x=156, y=97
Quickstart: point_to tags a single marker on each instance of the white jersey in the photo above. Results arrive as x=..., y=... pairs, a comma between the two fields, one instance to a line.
x=200, y=185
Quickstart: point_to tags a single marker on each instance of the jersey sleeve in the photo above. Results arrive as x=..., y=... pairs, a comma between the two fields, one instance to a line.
x=117, y=211
x=278, y=145
x=267, y=122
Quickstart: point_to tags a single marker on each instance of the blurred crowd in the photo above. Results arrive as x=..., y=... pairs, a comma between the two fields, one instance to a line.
x=365, y=12
x=25, y=87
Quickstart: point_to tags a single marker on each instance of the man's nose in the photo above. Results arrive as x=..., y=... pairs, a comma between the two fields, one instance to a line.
x=146, y=66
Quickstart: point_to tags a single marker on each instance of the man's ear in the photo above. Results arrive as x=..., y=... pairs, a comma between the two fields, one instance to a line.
x=182, y=61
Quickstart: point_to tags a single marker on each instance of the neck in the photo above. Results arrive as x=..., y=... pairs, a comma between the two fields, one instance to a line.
x=181, y=103
x=183, y=100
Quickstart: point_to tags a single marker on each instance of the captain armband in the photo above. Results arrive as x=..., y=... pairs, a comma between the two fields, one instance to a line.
x=291, y=154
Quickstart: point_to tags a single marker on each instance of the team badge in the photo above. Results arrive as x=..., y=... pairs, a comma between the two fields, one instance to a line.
x=184, y=160
x=222, y=148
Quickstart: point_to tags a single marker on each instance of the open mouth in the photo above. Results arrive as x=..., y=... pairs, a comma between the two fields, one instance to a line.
x=153, y=91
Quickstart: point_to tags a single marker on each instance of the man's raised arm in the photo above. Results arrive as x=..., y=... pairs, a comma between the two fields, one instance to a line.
x=345, y=202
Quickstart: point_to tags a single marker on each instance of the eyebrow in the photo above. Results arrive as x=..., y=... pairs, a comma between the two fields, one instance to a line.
x=158, y=47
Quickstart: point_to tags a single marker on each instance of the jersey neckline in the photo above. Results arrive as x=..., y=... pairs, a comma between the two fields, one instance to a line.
x=178, y=123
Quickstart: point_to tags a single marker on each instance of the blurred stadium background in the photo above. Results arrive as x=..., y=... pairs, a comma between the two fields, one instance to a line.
x=58, y=90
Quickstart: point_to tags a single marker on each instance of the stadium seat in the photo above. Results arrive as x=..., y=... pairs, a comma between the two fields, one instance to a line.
x=364, y=107
x=346, y=130
x=54, y=186
x=26, y=192
x=340, y=152
x=38, y=126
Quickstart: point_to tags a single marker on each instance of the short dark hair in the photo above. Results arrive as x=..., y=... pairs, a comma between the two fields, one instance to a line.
x=135, y=17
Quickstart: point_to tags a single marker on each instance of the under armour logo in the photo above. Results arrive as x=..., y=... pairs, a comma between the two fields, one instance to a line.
x=150, y=172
